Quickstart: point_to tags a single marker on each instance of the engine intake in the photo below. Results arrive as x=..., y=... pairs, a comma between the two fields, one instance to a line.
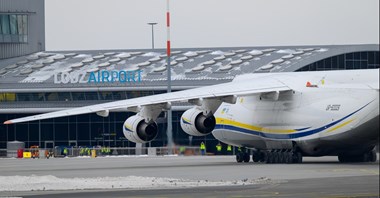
x=135, y=129
x=194, y=123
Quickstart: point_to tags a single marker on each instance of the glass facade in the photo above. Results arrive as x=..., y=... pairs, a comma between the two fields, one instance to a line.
x=74, y=96
x=90, y=130
x=13, y=28
x=355, y=60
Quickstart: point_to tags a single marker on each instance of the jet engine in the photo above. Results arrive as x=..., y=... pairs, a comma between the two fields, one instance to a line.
x=137, y=130
x=195, y=123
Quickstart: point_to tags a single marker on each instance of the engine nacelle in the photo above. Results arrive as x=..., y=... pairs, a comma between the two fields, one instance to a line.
x=194, y=123
x=137, y=130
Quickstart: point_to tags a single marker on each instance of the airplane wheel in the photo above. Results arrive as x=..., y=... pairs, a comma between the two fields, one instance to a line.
x=265, y=157
x=239, y=157
x=281, y=157
x=256, y=156
x=288, y=157
x=246, y=157
x=372, y=156
x=269, y=158
x=299, y=157
x=276, y=157
x=262, y=157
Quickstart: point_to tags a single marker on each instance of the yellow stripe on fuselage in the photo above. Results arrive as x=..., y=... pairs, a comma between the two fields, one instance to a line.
x=252, y=127
x=340, y=125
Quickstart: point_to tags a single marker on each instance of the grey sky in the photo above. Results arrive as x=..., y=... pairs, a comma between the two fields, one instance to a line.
x=121, y=24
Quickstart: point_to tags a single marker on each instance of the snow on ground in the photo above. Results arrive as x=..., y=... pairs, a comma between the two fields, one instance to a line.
x=49, y=182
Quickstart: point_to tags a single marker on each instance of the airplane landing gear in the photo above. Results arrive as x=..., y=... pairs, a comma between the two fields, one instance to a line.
x=242, y=156
x=239, y=157
x=282, y=157
x=297, y=157
x=246, y=157
x=372, y=156
x=271, y=156
x=257, y=156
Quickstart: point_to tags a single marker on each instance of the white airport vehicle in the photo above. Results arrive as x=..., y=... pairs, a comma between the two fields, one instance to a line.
x=280, y=117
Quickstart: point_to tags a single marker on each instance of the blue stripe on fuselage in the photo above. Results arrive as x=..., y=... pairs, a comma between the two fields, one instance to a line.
x=286, y=136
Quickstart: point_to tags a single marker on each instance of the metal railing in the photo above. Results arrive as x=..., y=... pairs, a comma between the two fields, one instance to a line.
x=102, y=151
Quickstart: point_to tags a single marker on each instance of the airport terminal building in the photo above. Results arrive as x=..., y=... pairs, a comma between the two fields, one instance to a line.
x=35, y=81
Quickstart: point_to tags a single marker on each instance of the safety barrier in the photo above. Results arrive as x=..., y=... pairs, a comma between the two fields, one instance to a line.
x=103, y=151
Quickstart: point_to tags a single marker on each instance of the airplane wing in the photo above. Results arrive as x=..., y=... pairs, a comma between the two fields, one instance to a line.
x=239, y=88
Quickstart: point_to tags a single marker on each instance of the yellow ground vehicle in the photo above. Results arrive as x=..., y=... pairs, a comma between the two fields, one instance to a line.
x=35, y=151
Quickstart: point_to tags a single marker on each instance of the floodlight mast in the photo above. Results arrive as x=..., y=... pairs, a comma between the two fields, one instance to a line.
x=169, y=131
x=152, y=24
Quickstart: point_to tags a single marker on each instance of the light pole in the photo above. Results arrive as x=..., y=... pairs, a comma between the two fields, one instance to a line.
x=169, y=131
x=152, y=24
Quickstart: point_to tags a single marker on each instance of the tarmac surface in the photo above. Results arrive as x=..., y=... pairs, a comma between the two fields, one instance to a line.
x=316, y=177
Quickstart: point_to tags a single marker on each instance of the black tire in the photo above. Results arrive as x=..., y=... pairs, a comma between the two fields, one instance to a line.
x=265, y=157
x=239, y=157
x=256, y=156
x=269, y=159
x=286, y=157
x=246, y=157
x=372, y=156
x=276, y=158
x=262, y=156
x=281, y=156
x=289, y=157
x=299, y=157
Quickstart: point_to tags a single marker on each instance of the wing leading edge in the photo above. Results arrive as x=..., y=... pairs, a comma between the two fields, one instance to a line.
x=240, y=88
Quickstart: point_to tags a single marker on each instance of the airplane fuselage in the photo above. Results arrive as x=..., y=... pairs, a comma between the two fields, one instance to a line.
x=332, y=115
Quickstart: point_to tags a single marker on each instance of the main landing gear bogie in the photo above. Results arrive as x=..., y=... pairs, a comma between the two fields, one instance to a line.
x=271, y=156
x=242, y=157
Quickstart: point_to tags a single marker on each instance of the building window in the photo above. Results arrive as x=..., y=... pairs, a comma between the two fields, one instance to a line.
x=7, y=97
x=13, y=28
x=354, y=60
x=75, y=96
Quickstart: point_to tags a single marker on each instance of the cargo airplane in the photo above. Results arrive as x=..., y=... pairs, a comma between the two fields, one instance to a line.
x=277, y=117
